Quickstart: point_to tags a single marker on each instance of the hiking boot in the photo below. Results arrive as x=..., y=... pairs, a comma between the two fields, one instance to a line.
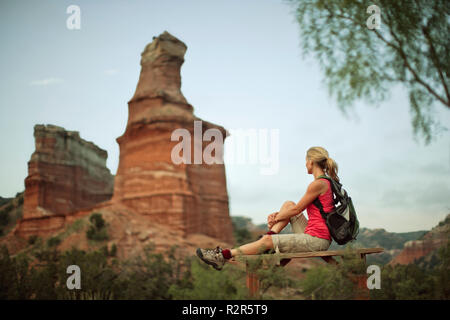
x=213, y=257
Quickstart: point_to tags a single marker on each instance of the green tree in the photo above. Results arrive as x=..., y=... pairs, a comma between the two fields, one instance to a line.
x=98, y=277
x=240, y=231
x=442, y=272
x=148, y=276
x=14, y=276
x=204, y=283
x=337, y=282
x=53, y=242
x=410, y=48
x=97, y=231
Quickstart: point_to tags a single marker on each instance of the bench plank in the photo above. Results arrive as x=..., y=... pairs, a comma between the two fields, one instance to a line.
x=313, y=254
x=252, y=280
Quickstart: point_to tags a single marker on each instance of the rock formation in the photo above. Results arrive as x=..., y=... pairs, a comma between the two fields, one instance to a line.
x=191, y=198
x=65, y=174
x=432, y=240
x=416, y=249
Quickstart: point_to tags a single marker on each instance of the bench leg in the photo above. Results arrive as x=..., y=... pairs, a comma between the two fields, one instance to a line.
x=360, y=281
x=362, y=292
x=252, y=283
x=363, y=258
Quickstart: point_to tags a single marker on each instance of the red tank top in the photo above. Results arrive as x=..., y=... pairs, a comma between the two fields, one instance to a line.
x=316, y=224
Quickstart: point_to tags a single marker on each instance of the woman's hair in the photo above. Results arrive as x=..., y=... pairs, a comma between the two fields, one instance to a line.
x=320, y=156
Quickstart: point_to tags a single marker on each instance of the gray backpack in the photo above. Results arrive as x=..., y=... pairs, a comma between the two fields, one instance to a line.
x=342, y=221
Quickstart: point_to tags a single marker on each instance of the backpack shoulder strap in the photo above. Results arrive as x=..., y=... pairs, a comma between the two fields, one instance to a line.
x=324, y=176
x=318, y=204
x=335, y=186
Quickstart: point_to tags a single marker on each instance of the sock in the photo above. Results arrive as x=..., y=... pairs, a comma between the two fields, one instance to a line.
x=226, y=253
x=268, y=232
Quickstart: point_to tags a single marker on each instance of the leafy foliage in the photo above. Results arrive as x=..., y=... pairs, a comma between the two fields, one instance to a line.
x=97, y=231
x=398, y=282
x=41, y=274
x=53, y=241
x=10, y=212
x=413, y=282
x=410, y=48
x=336, y=282
x=240, y=230
x=4, y=218
x=202, y=282
x=32, y=239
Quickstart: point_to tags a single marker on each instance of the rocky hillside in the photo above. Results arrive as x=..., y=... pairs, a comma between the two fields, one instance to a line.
x=125, y=232
x=4, y=200
x=175, y=203
x=392, y=242
x=423, y=250
x=11, y=209
x=65, y=174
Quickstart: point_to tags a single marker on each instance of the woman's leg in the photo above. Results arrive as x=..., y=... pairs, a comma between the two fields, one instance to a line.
x=277, y=227
x=255, y=247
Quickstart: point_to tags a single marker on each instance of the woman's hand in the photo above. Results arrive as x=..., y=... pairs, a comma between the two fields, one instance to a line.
x=271, y=220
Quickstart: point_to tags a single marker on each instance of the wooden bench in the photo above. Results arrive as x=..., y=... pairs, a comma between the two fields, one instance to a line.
x=252, y=280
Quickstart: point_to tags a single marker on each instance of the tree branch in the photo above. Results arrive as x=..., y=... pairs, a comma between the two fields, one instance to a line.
x=403, y=56
x=435, y=61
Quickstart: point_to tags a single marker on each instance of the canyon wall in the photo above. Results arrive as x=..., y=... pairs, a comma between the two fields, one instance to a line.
x=431, y=241
x=416, y=249
x=188, y=197
x=65, y=174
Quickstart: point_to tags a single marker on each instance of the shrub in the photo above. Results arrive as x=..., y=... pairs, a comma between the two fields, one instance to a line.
x=240, y=232
x=97, y=231
x=113, y=251
x=15, y=276
x=53, y=241
x=97, y=220
x=334, y=281
x=202, y=282
x=413, y=282
x=4, y=217
x=32, y=239
x=109, y=252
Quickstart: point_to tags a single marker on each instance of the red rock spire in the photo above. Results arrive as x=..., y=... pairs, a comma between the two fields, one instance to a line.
x=191, y=198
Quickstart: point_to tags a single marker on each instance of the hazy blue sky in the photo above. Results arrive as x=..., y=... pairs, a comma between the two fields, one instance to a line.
x=243, y=69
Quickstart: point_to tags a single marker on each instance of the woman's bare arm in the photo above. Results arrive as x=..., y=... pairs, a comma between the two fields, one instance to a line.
x=315, y=188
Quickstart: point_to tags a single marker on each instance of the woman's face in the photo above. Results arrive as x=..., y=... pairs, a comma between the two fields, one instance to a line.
x=309, y=165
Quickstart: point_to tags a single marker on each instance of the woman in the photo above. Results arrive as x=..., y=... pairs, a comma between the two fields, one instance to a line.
x=315, y=237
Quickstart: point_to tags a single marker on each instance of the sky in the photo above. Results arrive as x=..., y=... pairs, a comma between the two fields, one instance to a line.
x=243, y=69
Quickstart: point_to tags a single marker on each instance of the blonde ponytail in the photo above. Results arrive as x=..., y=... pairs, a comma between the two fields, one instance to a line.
x=320, y=156
x=332, y=169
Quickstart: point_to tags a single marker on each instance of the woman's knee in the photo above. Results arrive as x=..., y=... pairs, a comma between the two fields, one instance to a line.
x=267, y=241
x=287, y=204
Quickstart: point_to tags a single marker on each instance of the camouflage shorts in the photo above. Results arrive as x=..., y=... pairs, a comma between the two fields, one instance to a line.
x=298, y=241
